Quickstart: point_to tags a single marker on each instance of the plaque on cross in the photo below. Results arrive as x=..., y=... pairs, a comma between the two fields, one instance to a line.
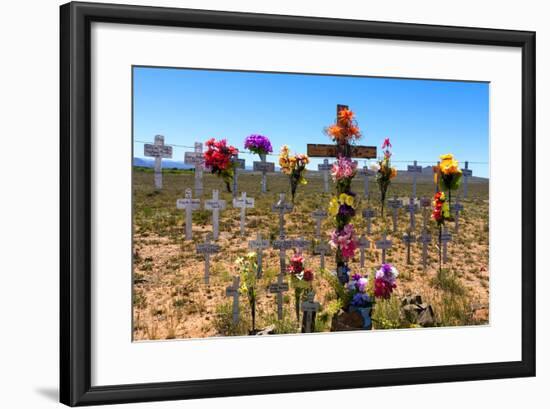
x=233, y=291
x=258, y=246
x=282, y=245
x=279, y=288
x=207, y=248
x=243, y=203
x=363, y=244
x=411, y=208
x=466, y=174
x=457, y=207
x=310, y=309
x=318, y=215
x=215, y=205
x=282, y=207
x=158, y=150
x=445, y=238
x=237, y=165
x=300, y=243
x=383, y=244
x=425, y=239
x=196, y=159
x=325, y=167
x=368, y=214
x=395, y=204
x=408, y=238
x=188, y=204
x=366, y=172
x=415, y=170
x=264, y=167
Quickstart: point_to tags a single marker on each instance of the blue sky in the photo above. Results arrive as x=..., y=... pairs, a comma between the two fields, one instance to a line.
x=423, y=118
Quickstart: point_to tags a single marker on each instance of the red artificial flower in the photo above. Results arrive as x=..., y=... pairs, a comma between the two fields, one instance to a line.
x=386, y=143
x=383, y=289
x=308, y=275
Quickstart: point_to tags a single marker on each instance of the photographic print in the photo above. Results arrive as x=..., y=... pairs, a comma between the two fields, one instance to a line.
x=286, y=203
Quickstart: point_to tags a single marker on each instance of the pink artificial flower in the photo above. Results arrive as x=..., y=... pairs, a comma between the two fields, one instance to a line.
x=386, y=143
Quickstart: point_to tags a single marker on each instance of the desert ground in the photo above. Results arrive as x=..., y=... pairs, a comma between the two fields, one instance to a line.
x=170, y=299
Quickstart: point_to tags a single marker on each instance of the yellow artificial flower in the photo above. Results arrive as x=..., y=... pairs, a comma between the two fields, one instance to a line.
x=393, y=173
x=333, y=206
x=449, y=165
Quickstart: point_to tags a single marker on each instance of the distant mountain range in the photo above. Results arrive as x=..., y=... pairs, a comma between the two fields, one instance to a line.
x=166, y=163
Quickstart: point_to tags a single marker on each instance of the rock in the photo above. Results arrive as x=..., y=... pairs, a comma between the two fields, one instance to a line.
x=269, y=330
x=417, y=312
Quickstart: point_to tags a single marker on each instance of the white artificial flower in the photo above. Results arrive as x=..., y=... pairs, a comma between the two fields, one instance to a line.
x=375, y=167
x=394, y=271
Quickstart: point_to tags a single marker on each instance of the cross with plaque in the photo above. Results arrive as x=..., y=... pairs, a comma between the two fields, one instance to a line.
x=457, y=207
x=425, y=239
x=188, y=204
x=466, y=173
x=363, y=244
x=411, y=208
x=243, y=203
x=322, y=248
x=383, y=244
x=233, y=291
x=279, y=288
x=408, y=238
x=196, y=159
x=258, y=245
x=445, y=238
x=395, y=204
x=282, y=207
x=425, y=203
x=207, y=249
x=368, y=214
x=310, y=309
x=415, y=170
x=264, y=167
x=325, y=167
x=158, y=150
x=366, y=172
x=215, y=205
x=282, y=245
x=237, y=164
x=318, y=215
x=300, y=244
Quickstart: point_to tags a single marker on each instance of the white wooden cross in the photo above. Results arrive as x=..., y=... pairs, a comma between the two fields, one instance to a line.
x=411, y=208
x=196, y=159
x=425, y=239
x=264, y=167
x=188, y=204
x=237, y=164
x=408, y=238
x=366, y=172
x=446, y=237
x=395, y=204
x=207, y=249
x=383, y=244
x=282, y=245
x=318, y=215
x=158, y=150
x=415, y=170
x=279, y=288
x=233, y=291
x=368, y=214
x=363, y=244
x=425, y=203
x=466, y=173
x=300, y=244
x=310, y=309
x=243, y=203
x=322, y=248
x=215, y=205
x=258, y=245
x=325, y=167
x=282, y=207
x=457, y=207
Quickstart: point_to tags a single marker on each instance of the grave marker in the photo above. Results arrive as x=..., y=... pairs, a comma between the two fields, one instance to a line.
x=237, y=164
x=215, y=205
x=457, y=207
x=188, y=204
x=264, y=167
x=279, y=288
x=408, y=238
x=415, y=170
x=411, y=208
x=233, y=291
x=446, y=237
x=368, y=214
x=243, y=203
x=322, y=248
x=425, y=203
x=363, y=244
x=258, y=245
x=207, y=249
x=300, y=243
x=282, y=207
x=325, y=167
x=158, y=150
x=383, y=244
x=310, y=309
x=425, y=239
x=466, y=173
x=366, y=172
x=318, y=215
x=196, y=159
x=282, y=245
x=395, y=204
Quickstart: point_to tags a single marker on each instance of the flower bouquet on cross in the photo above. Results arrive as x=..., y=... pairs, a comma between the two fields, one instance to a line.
x=447, y=175
x=247, y=267
x=218, y=158
x=384, y=172
x=301, y=279
x=345, y=242
x=344, y=131
x=294, y=167
x=258, y=144
x=440, y=213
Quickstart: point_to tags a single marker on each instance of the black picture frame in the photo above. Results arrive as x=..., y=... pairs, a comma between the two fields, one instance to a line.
x=76, y=199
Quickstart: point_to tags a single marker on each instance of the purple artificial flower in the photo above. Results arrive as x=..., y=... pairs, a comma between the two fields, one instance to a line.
x=345, y=210
x=258, y=144
x=360, y=300
x=356, y=277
